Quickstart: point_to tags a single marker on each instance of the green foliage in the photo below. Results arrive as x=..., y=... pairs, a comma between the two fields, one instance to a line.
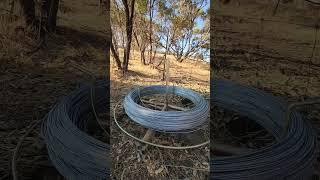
x=142, y=6
x=178, y=20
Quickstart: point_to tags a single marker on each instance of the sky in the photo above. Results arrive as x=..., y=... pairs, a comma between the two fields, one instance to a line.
x=200, y=24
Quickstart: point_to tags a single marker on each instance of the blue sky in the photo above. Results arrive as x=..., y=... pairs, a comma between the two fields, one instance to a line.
x=200, y=22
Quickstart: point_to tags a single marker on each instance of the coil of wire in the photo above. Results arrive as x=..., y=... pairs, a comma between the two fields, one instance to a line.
x=74, y=153
x=290, y=157
x=166, y=120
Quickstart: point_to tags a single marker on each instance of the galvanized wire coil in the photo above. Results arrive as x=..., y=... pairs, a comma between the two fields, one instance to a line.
x=74, y=153
x=290, y=157
x=116, y=109
x=166, y=120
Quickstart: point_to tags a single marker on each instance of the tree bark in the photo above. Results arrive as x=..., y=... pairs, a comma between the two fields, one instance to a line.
x=165, y=57
x=52, y=15
x=164, y=72
x=28, y=8
x=116, y=57
x=142, y=49
x=143, y=58
x=154, y=53
x=129, y=28
x=151, y=4
x=49, y=10
x=109, y=33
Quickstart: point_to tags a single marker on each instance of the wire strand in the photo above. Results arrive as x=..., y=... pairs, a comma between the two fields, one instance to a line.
x=150, y=143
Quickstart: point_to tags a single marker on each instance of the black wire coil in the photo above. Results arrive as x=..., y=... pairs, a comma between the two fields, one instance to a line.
x=290, y=157
x=75, y=154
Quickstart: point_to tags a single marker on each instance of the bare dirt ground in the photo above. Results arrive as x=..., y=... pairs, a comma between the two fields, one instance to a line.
x=32, y=84
x=278, y=54
x=133, y=160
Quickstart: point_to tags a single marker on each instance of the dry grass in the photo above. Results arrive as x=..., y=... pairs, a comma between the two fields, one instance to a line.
x=190, y=74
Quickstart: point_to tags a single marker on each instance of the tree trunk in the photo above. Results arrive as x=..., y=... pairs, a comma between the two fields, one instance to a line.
x=150, y=32
x=116, y=57
x=165, y=57
x=164, y=72
x=109, y=34
x=52, y=18
x=49, y=11
x=129, y=27
x=151, y=6
x=142, y=49
x=179, y=57
x=125, y=62
x=154, y=54
x=28, y=8
x=143, y=57
x=157, y=66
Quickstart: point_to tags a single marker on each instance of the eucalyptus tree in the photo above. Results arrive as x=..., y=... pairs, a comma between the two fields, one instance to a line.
x=123, y=12
x=181, y=33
